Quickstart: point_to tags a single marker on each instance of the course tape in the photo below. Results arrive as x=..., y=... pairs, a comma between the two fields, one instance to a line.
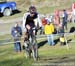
x=8, y=41
x=43, y=35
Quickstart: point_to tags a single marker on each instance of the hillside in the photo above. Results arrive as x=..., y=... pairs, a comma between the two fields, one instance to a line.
x=43, y=6
x=24, y=4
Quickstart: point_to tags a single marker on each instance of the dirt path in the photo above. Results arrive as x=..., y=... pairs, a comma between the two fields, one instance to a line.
x=5, y=26
x=56, y=61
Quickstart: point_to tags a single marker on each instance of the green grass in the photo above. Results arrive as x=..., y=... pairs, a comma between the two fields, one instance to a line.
x=10, y=58
x=47, y=54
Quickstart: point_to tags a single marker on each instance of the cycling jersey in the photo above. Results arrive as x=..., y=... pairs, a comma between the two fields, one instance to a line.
x=30, y=20
x=27, y=19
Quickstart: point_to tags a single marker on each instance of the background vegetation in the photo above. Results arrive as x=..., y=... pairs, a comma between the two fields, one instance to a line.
x=43, y=6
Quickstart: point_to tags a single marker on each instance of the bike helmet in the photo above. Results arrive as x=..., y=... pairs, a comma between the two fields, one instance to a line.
x=32, y=9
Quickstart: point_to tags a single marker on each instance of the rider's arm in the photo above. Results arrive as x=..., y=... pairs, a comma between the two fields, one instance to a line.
x=38, y=21
x=24, y=21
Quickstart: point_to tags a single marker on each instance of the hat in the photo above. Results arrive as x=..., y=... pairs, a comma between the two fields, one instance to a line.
x=32, y=9
x=48, y=21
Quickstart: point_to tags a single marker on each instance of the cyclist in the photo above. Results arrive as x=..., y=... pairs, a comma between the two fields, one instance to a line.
x=31, y=20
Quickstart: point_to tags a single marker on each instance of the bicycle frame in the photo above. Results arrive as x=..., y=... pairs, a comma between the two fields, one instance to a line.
x=32, y=46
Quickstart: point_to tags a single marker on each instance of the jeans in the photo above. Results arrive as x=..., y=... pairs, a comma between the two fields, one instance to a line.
x=50, y=39
x=17, y=46
x=65, y=25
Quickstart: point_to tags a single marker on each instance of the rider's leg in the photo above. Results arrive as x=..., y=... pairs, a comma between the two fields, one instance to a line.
x=35, y=52
x=33, y=44
x=27, y=54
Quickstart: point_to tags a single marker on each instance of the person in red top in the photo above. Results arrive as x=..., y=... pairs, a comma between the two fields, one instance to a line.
x=73, y=12
x=56, y=19
x=44, y=22
x=73, y=6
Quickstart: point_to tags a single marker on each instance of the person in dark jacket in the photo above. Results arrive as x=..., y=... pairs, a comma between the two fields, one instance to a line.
x=64, y=19
x=16, y=33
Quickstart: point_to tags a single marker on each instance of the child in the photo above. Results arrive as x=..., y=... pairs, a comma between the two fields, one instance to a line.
x=62, y=40
x=61, y=29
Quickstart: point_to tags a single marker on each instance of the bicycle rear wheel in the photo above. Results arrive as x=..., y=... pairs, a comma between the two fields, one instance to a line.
x=35, y=52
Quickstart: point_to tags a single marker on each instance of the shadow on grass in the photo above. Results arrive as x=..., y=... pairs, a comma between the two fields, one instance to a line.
x=13, y=13
x=56, y=41
x=16, y=12
x=59, y=59
x=68, y=41
x=54, y=58
x=72, y=29
x=42, y=43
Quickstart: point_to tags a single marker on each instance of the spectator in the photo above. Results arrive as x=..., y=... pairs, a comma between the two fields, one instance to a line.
x=44, y=21
x=61, y=29
x=16, y=33
x=49, y=29
x=56, y=20
x=64, y=19
x=43, y=24
x=62, y=40
x=73, y=12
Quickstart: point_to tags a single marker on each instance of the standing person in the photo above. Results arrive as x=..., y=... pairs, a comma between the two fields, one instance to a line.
x=64, y=19
x=43, y=24
x=16, y=33
x=43, y=21
x=61, y=29
x=49, y=29
x=56, y=19
x=61, y=34
x=73, y=12
x=62, y=40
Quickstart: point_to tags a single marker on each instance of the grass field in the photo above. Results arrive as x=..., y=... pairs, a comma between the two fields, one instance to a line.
x=48, y=55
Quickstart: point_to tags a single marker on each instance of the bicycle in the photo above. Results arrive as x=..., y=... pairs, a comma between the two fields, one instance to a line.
x=31, y=46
